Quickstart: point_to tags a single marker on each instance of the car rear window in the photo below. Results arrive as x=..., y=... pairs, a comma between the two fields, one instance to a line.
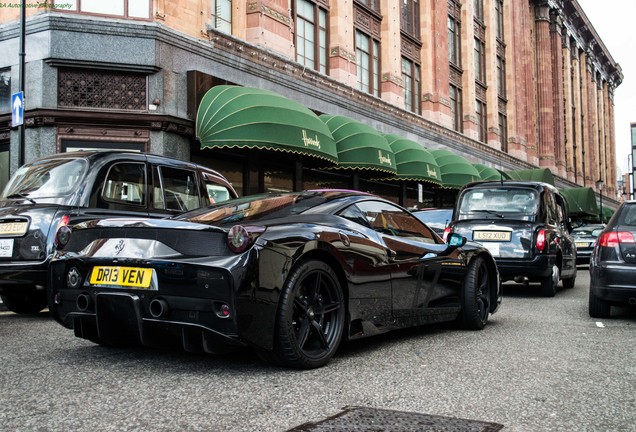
x=46, y=179
x=628, y=215
x=506, y=202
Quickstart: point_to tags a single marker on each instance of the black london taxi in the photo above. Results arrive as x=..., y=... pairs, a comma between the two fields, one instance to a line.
x=67, y=188
x=524, y=225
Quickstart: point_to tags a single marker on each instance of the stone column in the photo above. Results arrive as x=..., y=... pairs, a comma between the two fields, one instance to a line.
x=602, y=143
x=568, y=92
x=492, y=98
x=435, y=64
x=556, y=42
x=591, y=169
x=545, y=87
x=468, y=64
x=342, y=51
x=578, y=116
x=269, y=24
x=391, y=59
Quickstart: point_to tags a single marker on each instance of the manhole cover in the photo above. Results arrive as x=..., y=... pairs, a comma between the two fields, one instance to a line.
x=361, y=419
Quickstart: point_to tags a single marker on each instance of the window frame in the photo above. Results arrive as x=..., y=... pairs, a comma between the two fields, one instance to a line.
x=410, y=18
x=412, y=85
x=481, y=115
x=456, y=107
x=217, y=18
x=76, y=7
x=320, y=35
x=373, y=72
x=454, y=35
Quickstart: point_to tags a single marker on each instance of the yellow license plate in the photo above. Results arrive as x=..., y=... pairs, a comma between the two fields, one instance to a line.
x=13, y=228
x=491, y=235
x=582, y=244
x=121, y=276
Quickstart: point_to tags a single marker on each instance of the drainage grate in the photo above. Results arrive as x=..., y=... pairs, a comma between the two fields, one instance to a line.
x=361, y=419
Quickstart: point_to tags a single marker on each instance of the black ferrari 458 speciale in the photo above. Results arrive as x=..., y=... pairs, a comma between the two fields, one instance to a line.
x=289, y=274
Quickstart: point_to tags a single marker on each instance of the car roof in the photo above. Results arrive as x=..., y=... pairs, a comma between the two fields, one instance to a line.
x=94, y=156
x=514, y=183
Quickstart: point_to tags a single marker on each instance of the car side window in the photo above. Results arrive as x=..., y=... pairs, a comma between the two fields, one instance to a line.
x=176, y=189
x=389, y=219
x=126, y=183
x=216, y=192
x=550, y=208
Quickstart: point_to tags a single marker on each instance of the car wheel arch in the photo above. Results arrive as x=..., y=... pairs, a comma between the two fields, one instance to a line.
x=491, y=265
x=331, y=260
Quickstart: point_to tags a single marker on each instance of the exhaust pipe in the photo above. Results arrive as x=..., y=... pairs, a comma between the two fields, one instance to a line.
x=159, y=308
x=83, y=302
x=632, y=301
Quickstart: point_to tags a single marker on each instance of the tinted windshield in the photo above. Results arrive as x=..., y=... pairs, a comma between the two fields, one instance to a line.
x=500, y=200
x=46, y=179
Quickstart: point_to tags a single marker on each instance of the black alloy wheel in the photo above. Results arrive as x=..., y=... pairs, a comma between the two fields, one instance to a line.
x=549, y=283
x=28, y=304
x=476, y=295
x=310, y=317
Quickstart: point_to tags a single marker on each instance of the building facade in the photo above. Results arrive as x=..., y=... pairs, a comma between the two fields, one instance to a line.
x=509, y=85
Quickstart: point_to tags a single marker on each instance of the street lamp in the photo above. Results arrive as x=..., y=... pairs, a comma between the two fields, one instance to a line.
x=599, y=185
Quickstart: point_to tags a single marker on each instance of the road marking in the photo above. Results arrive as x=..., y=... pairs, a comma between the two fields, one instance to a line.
x=600, y=324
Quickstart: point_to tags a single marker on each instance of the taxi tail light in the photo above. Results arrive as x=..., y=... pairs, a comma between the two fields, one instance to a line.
x=614, y=238
x=63, y=232
x=240, y=238
x=447, y=232
x=541, y=241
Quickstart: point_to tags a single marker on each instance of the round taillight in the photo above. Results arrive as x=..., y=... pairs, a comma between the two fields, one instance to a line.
x=238, y=239
x=62, y=236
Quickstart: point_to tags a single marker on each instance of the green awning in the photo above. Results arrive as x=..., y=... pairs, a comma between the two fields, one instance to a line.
x=581, y=201
x=413, y=162
x=490, y=173
x=360, y=147
x=456, y=170
x=243, y=117
x=538, y=174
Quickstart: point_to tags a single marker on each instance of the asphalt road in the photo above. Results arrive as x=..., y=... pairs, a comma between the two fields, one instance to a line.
x=542, y=364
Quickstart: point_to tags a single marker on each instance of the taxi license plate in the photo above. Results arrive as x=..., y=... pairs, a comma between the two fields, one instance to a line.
x=582, y=244
x=491, y=235
x=13, y=228
x=122, y=276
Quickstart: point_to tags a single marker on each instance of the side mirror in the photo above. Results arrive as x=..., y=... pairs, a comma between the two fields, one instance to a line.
x=456, y=240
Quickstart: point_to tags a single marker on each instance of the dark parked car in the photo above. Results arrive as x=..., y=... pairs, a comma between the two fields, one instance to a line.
x=67, y=188
x=436, y=218
x=290, y=275
x=524, y=225
x=585, y=238
x=613, y=263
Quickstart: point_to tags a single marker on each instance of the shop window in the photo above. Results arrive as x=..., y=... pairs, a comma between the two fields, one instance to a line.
x=311, y=35
x=222, y=15
x=278, y=180
x=124, y=8
x=101, y=90
x=5, y=90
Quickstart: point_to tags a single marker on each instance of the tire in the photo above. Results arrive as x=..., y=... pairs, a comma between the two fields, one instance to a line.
x=310, y=318
x=29, y=304
x=549, y=283
x=569, y=283
x=598, y=308
x=476, y=295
